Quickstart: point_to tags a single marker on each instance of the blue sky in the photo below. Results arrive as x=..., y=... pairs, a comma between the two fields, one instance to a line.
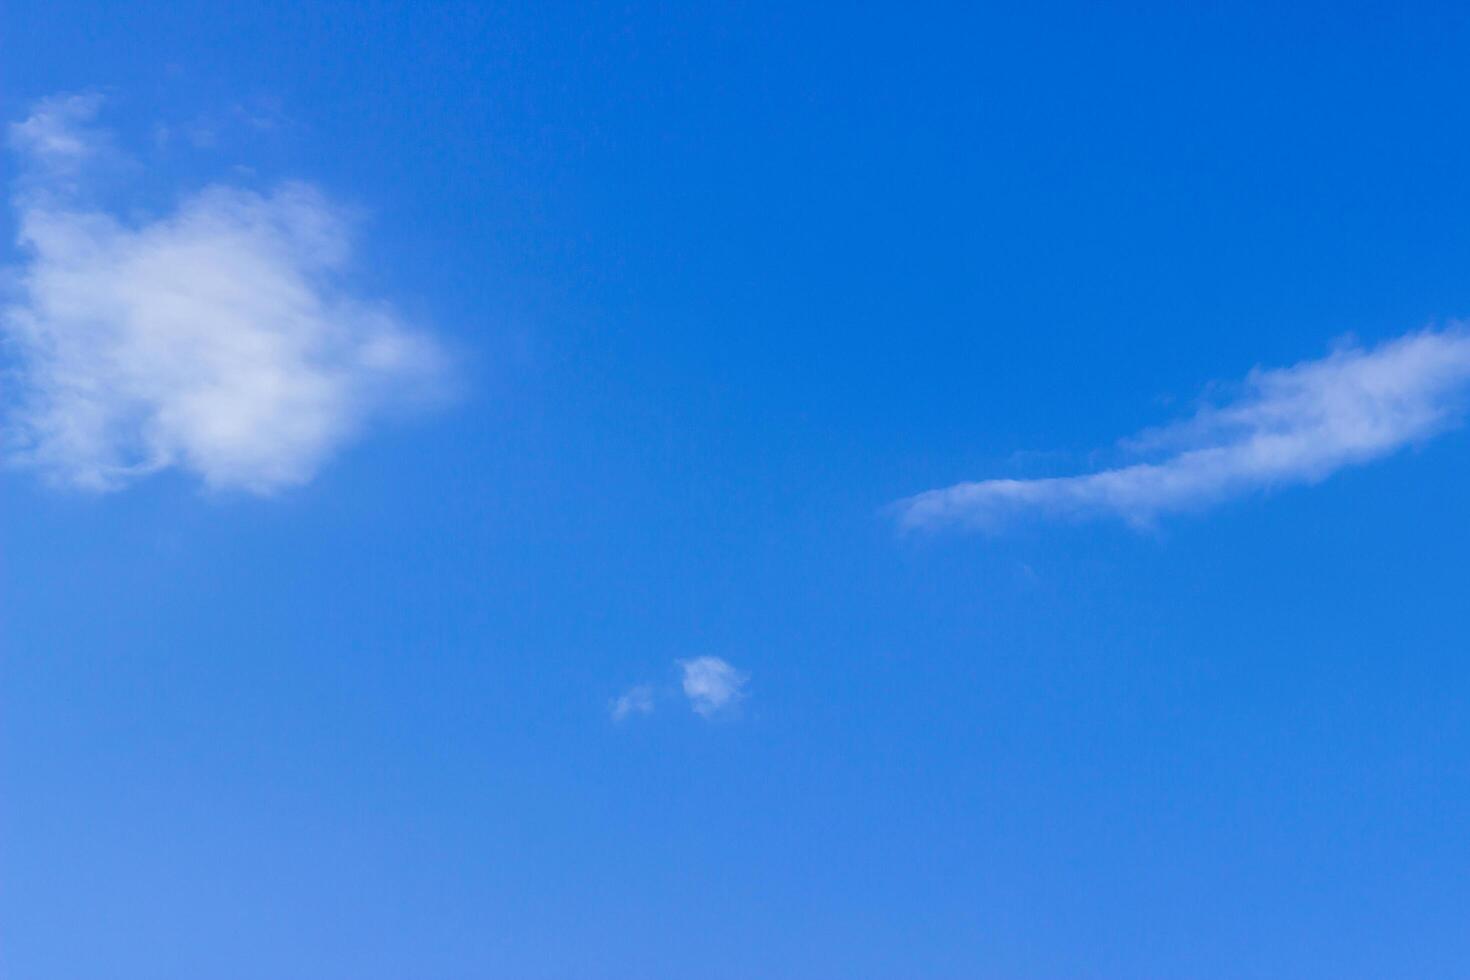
x=734, y=490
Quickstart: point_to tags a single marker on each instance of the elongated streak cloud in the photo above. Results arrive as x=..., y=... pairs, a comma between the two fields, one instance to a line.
x=219, y=339
x=1294, y=425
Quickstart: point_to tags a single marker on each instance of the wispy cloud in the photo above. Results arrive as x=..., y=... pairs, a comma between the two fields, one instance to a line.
x=1294, y=425
x=634, y=701
x=219, y=339
x=711, y=684
x=57, y=136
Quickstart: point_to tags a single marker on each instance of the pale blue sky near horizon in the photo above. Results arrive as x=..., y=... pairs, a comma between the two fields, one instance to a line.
x=541, y=601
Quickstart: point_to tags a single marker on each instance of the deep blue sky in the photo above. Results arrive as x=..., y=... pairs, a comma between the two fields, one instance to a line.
x=720, y=282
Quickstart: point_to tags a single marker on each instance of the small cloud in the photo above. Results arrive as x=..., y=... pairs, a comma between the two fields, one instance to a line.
x=54, y=145
x=635, y=701
x=711, y=685
x=56, y=133
x=1293, y=425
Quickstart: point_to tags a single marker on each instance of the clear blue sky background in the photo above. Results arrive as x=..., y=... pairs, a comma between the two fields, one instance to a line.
x=722, y=281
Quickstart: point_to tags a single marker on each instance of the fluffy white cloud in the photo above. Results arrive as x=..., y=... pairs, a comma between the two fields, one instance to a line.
x=711, y=684
x=634, y=701
x=219, y=339
x=1290, y=425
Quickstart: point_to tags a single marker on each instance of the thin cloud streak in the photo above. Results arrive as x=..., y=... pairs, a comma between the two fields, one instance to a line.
x=1288, y=426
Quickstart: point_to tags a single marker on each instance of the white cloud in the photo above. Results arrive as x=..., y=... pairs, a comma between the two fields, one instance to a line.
x=711, y=684
x=57, y=134
x=219, y=339
x=1294, y=425
x=635, y=701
